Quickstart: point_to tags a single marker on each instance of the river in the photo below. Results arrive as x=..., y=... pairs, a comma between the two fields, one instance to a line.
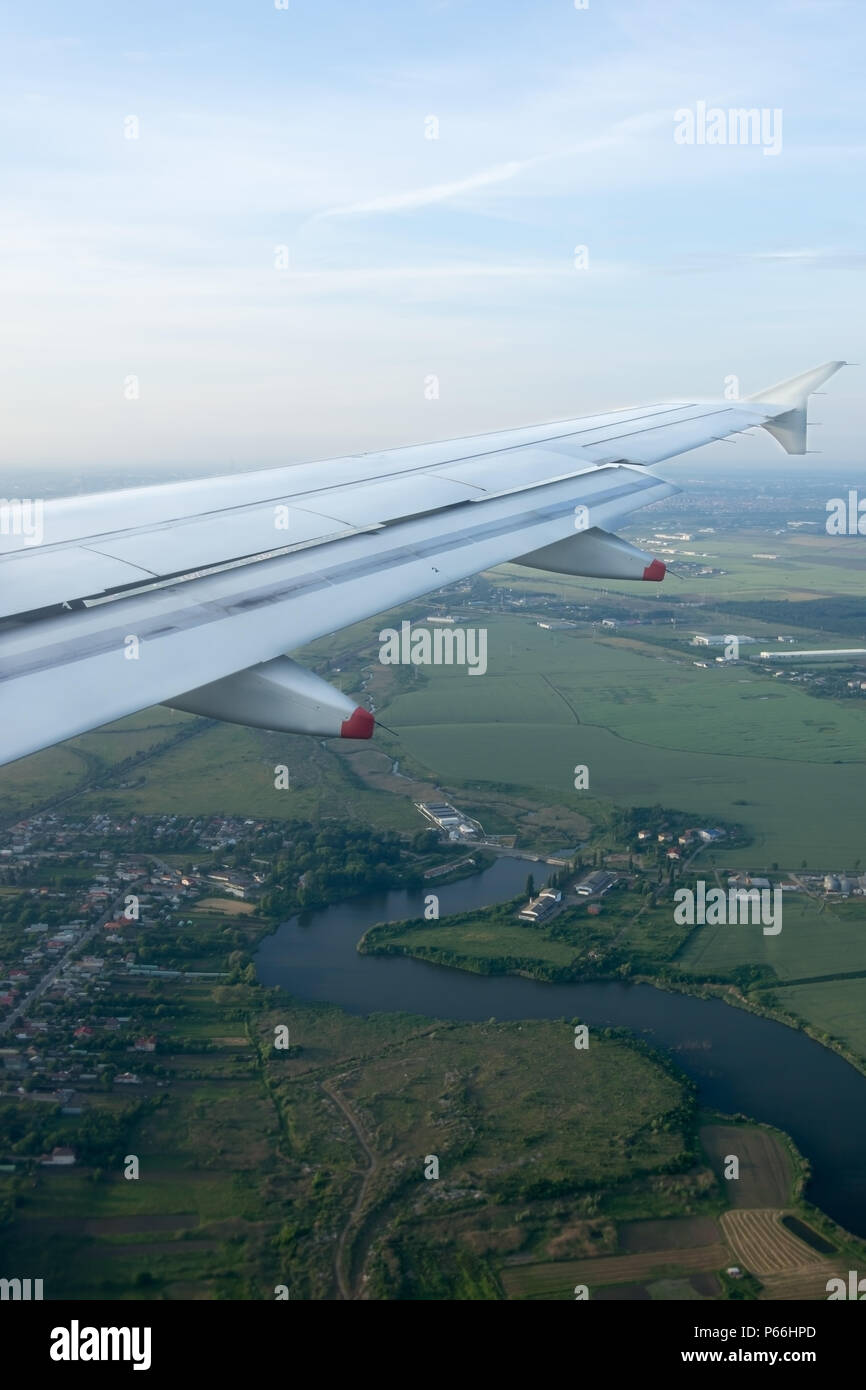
x=741, y=1063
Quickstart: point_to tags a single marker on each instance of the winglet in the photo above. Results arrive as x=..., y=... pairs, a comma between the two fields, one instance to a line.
x=788, y=426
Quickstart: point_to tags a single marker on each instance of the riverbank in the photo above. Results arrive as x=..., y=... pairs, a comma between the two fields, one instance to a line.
x=733, y=995
x=475, y=944
x=743, y=1062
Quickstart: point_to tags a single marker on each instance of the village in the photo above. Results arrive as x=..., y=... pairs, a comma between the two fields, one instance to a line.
x=74, y=939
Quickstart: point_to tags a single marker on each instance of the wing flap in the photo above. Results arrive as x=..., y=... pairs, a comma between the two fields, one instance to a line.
x=33, y=579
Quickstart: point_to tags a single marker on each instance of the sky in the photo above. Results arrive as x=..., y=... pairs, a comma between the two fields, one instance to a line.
x=241, y=233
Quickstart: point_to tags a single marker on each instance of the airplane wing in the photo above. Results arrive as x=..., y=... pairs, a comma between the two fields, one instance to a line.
x=188, y=594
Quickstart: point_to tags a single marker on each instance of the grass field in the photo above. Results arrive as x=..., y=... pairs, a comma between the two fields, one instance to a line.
x=834, y=1007
x=227, y=768
x=557, y=1281
x=493, y=937
x=648, y=699
x=730, y=745
x=811, y=942
x=478, y=937
x=765, y=1171
x=807, y=566
x=227, y=907
x=583, y=1118
x=822, y=946
x=32, y=780
x=137, y=734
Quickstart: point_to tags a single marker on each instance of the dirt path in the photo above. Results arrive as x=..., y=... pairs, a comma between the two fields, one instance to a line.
x=343, y=1283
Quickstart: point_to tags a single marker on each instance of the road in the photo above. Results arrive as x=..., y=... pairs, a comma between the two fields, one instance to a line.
x=26, y=1002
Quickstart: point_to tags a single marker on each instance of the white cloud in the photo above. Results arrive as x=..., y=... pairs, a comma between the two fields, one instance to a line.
x=816, y=256
x=436, y=193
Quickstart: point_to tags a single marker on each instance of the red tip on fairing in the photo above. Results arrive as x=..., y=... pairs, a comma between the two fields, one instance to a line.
x=360, y=724
x=657, y=570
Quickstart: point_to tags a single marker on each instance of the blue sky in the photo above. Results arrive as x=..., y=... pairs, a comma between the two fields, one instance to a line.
x=409, y=257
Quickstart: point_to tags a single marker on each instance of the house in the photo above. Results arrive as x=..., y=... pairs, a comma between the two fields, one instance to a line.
x=58, y=1158
x=145, y=1044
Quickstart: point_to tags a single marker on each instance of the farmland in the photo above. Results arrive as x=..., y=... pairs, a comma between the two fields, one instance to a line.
x=683, y=1258
x=818, y=962
x=834, y=1007
x=728, y=744
x=260, y=1167
x=814, y=940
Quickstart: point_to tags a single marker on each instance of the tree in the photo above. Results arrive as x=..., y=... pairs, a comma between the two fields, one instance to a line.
x=530, y=886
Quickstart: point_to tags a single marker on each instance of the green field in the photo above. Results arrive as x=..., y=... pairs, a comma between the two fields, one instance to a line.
x=30, y=781
x=475, y=938
x=259, y=1168
x=137, y=734
x=730, y=745
x=628, y=936
x=565, y=680
x=835, y=1007
x=812, y=942
x=228, y=768
x=807, y=566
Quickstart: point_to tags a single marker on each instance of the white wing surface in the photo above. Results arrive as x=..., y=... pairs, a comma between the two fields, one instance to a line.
x=190, y=593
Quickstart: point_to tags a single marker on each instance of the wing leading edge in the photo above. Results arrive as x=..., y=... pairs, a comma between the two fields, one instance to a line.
x=207, y=584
